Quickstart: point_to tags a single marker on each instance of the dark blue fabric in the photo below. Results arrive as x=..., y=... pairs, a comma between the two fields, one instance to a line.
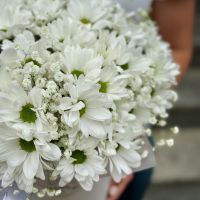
x=137, y=188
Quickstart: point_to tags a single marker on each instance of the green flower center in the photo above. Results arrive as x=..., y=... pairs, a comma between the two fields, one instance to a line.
x=82, y=111
x=79, y=157
x=27, y=146
x=4, y=30
x=118, y=147
x=61, y=40
x=85, y=21
x=77, y=73
x=125, y=66
x=153, y=92
x=27, y=114
x=104, y=87
x=35, y=62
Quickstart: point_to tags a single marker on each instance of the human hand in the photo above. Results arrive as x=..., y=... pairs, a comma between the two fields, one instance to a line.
x=117, y=189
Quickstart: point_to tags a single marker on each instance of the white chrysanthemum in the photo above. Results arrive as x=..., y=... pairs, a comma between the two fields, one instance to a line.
x=12, y=16
x=79, y=61
x=123, y=111
x=21, y=109
x=137, y=66
x=45, y=10
x=113, y=48
x=64, y=32
x=161, y=101
x=24, y=154
x=30, y=51
x=164, y=70
x=83, y=163
x=23, y=42
x=24, y=57
x=122, y=155
x=8, y=59
x=5, y=79
x=125, y=160
x=143, y=116
x=156, y=44
x=112, y=84
x=88, y=12
x=85, y=107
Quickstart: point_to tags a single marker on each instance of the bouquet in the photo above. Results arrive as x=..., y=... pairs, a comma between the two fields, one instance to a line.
x=79, y=82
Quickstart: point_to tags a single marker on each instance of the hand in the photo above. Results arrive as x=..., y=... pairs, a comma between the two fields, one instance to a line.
x=117, y=189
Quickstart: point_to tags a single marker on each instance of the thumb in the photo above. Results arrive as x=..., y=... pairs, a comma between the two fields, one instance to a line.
x=117, y=189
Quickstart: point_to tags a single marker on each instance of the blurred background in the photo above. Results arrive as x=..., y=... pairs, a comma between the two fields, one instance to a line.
x=177, y=174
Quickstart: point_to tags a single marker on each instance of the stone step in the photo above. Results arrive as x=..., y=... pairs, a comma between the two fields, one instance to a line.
x=187, y=109
x=189, y=90
x=198, y=6
x=196, y=57
x=184, y=117
x=181, y=162
x=174, y=191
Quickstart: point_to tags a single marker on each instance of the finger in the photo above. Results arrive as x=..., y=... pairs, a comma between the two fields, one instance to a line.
x=128, y=179
x=110, y=198
x=119, y=191
x=116, y=189
x=113, y=190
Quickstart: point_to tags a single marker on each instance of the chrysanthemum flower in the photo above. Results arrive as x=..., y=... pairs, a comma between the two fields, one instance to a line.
x=84, y=164
x=85, y=108
x=81, y=61
x=21, y=109
x=25, y=154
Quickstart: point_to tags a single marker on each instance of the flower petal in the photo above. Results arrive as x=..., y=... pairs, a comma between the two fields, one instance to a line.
x=31, y=165
x=98, y=114
x=16, y=158
x=36, y=97
x=50, y=152
x=7, y=133
x=93, y=128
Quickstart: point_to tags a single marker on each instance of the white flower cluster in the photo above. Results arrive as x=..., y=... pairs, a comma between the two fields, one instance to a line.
x=79, y=81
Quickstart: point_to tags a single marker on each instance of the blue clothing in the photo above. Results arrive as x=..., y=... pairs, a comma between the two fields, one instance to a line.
x=137, y=188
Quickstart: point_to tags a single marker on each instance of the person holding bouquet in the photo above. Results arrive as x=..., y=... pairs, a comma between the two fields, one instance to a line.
x=175, y=19
x=79, y=83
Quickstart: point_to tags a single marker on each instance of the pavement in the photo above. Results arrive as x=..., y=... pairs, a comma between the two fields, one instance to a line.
x=181, y=162
x=174, y=191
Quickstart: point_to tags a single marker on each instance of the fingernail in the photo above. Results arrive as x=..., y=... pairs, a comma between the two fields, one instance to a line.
x=113, y=190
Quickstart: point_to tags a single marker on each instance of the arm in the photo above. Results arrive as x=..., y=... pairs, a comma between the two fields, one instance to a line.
x=175, y=19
